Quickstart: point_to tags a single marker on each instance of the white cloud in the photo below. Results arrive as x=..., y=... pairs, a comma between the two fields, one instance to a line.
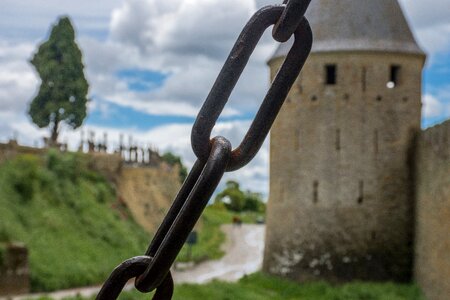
x=427, y=13
x=180, y=28
x=30, y=19
x=431, y=106
x=437, y=105
x=17, y=80
x=18, y=126
x=176, y=38
x=181, y=39
x=430, y=22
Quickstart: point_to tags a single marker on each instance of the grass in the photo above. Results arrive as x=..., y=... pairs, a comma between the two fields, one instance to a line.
x=264, y=287
x=69, y=218
x=76, y=231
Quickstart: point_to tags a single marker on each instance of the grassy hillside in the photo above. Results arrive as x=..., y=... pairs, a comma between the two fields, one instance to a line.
x=69, y=218
x=73, y=225
x=263, y=287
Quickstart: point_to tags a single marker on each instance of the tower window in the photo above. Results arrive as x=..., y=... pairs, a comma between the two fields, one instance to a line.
x=361, y=192
x=394, y=76
x=331, y=72
x=315, y=191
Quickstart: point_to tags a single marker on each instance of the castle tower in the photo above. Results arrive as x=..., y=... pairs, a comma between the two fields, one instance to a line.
x=340, y=205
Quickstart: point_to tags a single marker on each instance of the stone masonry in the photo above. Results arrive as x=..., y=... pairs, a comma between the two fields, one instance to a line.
x=432, y=247
x=14, y=270
x=357, y=190
x=340, y=204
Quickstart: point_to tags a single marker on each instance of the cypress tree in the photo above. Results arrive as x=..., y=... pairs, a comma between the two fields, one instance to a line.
x=62, y=96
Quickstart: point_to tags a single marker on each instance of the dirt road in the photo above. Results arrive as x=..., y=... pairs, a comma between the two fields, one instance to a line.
x=243, y=255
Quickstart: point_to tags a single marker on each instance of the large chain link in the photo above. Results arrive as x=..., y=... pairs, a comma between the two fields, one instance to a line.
x=215, y=156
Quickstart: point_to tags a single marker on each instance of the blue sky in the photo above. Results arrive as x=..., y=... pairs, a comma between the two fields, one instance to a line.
x=151, y=63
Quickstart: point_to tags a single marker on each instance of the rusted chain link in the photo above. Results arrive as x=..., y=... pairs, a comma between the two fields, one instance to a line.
x=215, y=156
x=131, y=268
x=228, y=77
x=199, y=194
x=289, y=21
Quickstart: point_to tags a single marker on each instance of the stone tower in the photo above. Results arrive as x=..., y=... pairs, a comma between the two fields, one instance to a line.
x=340, y=204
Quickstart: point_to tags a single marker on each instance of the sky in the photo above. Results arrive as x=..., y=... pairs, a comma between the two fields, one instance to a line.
x=151, y=64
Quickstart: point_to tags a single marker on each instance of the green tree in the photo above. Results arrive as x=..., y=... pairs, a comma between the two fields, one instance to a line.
x=232, y=196
x=62, y=95
x=173, y=160
x=254, y=202
x=237, y=200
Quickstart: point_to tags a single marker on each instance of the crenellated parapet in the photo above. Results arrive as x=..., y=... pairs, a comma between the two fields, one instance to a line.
x=131, y=154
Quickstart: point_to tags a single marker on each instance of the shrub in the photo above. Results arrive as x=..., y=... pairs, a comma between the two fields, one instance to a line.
x=24, y=175
x=173, y=160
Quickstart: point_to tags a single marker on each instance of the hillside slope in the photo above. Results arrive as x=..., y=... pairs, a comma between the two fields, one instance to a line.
x=68, y=216
x=148, y=192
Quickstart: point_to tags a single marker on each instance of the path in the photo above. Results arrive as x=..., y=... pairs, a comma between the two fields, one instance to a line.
x=243, y=255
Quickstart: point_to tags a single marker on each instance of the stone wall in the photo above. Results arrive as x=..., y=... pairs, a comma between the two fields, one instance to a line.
x=340, y=206
x=11, y=149
x=109, y=165
x=14, y=272
x=432, y=250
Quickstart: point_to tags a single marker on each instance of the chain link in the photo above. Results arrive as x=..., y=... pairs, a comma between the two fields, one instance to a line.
x=289, y=20
x=228, y=77
x=215, y=156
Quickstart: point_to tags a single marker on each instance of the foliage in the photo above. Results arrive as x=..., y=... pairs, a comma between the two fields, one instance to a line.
x=63, y=92
x=237, y=200
x=24, y=175
x=68, y=217
x=172, y=160
x=259, y=286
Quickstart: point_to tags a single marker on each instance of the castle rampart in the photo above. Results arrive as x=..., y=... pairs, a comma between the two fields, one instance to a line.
x=432, y=247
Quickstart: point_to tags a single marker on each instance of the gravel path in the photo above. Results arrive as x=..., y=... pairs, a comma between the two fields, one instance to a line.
x=244, y=254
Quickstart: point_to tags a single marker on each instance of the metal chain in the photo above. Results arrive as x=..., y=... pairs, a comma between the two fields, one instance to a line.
x=215, y=156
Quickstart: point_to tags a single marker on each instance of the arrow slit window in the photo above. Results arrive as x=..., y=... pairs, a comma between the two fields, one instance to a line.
x=331, y=74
